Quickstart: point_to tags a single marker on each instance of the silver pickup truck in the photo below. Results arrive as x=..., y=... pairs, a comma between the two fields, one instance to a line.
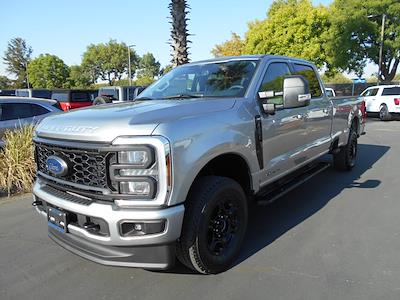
x=172, y=173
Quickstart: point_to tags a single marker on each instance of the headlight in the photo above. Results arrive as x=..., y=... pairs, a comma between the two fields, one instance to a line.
x=141, y=172
x=140, y=187
x=141, y=157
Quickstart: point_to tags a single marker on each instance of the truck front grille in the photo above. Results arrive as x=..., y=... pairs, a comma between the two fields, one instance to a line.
x=86, y=167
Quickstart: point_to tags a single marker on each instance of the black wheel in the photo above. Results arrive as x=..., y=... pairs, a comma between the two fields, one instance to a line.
x=214, y=225
x=100, y=100
x=345, y=160
x=384, y=113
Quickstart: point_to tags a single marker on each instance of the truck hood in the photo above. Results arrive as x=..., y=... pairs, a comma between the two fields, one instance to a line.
x=103, y=123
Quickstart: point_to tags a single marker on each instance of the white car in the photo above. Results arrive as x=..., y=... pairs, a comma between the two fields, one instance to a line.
x=383, y=99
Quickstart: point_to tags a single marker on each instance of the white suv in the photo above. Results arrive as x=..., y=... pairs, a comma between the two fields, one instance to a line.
x=384, y=99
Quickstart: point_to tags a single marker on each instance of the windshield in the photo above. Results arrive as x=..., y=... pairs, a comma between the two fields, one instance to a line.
x=219, y=79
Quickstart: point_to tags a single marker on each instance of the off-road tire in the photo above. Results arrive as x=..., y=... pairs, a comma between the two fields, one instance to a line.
x=345, y=159
x=207, y=196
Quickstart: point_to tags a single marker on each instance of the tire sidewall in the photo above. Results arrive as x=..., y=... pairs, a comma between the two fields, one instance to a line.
x=351, y=160
x=213, y=263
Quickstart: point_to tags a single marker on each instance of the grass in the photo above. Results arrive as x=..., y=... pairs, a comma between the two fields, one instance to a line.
x=17, y=164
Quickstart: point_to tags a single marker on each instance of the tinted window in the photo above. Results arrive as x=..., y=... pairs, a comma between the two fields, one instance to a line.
x=41, y=94
x=329, y=93
x=62, y=97
x=38, y=110
x=15, y=111
x=393, y=91
x=273, y=81
x=309, y=73
x=80, y=97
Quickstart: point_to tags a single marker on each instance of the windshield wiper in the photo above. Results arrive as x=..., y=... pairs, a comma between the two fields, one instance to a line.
x=184, y=96
x=143, y=98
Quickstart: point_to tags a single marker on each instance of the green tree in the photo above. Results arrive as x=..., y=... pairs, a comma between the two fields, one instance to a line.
x=179, y=32
x=78, y=78
x=148, y=66
x=232, y=47
x=144, y=80
x=5, y=82
x=48, y=71
x=166, y=69
x=17, y=57
x=355, y=35
x=335, y=78
x=294, y=28
x=108, y=61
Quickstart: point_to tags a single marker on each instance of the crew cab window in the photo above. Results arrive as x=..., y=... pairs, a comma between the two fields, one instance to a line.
x=392, y=91
x=370, y=92
x=273, y=81
x=309, y=73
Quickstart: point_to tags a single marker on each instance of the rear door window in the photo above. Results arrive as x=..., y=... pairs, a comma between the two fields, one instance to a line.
x=309, y=73
x=392, y=91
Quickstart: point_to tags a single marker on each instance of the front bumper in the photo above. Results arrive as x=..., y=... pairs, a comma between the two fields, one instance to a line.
x=147, y=251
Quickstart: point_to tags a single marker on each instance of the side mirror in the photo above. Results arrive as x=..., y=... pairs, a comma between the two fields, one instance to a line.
x=296, y=92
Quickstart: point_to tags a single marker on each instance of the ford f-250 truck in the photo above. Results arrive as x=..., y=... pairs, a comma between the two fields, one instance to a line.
x=172, y=173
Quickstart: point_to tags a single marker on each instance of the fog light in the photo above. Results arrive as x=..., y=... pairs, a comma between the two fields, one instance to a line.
x=141, y=228
x=143, y=188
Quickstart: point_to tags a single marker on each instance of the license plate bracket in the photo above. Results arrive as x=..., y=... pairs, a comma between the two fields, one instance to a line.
x=57, y=219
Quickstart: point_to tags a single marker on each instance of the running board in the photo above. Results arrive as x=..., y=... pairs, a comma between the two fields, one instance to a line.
x=276, y=190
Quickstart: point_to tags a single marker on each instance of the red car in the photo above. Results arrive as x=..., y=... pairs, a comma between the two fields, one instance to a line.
x=70, y=99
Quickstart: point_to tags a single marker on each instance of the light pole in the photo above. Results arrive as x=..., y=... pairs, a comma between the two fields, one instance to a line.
x=380, y=71
x=129, y=63
x=27, y=73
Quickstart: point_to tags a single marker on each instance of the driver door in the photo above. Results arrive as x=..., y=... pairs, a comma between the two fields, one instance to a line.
x=284, y=132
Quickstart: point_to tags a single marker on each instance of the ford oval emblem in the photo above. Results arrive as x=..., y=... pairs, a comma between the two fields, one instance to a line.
x=56, y=165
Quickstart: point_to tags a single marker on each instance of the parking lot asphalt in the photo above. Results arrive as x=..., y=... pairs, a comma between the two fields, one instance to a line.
x=335, y=237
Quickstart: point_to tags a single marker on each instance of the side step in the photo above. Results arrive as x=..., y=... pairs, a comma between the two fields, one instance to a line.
x=277, y=189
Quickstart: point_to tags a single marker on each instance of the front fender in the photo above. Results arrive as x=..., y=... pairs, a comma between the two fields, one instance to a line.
x=195, y=142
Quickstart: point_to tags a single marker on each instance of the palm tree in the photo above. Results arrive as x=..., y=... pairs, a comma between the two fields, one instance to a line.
x=179, y=33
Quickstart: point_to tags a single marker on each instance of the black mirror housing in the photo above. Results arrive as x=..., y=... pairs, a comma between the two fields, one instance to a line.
x=296, y=92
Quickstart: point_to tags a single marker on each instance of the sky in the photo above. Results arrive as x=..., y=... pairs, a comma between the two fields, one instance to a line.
x=66, y=27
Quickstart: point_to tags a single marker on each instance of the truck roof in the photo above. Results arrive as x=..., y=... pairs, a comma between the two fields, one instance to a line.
x=247, y=57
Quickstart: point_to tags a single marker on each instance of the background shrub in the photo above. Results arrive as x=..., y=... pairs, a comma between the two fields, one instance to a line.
x=17, y=165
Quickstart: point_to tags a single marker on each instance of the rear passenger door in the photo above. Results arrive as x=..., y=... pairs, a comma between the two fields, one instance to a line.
x=283, y=133
x=318, y=118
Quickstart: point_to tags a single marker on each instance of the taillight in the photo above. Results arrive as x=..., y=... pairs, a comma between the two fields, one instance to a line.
x=396, y=101
x=363, y=110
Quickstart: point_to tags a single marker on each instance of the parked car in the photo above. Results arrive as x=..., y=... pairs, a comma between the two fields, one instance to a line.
x=383, y=99
x=17, y=111
x=70, y=99
x=7, y=92
x=330, y=92
x=35, y=93
x=117, y=94
x=172, y=173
